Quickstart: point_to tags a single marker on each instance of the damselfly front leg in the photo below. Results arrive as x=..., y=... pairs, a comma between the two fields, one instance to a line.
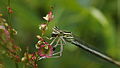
x=60, y=43
x=58, y=36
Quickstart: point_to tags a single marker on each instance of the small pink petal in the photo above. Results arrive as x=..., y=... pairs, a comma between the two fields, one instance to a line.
x=42, y=55
x=7, y=34
x=46, y=18
x=45, y=43
x=42, y=46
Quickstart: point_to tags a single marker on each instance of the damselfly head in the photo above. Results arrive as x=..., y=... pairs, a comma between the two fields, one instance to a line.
x=57, y=32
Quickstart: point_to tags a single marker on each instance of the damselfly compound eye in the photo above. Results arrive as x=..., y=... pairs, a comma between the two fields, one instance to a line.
x=54, y=35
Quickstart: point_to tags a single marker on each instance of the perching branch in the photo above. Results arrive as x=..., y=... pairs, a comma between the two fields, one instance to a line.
x=91, y=50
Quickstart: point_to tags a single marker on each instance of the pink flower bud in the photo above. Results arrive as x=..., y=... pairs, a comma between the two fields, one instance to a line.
x=40, y=38
x=43, y=28
x=10, y=10
x=49, y=16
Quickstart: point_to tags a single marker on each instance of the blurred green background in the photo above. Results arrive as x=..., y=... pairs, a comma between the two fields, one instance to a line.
x=94, y=21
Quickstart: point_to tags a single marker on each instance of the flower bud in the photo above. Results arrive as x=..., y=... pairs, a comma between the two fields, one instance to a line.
x=23, y=59
x=1, y=14
x=43, y=28
x=49, y=16
x=10, y=10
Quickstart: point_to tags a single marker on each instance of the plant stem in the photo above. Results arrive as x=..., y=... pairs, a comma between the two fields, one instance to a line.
x=9, y=15
x=24, y=66
x=16, y=65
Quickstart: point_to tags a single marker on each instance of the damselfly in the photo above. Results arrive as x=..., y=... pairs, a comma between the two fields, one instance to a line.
x=68, y=36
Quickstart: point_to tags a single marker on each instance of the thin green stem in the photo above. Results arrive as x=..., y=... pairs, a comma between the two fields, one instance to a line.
x=24, y=66
x=9, y=3
x=16, y=65
x=9, y=15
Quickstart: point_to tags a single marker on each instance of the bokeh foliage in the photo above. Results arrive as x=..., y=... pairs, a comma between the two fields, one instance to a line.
x=94, y=21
